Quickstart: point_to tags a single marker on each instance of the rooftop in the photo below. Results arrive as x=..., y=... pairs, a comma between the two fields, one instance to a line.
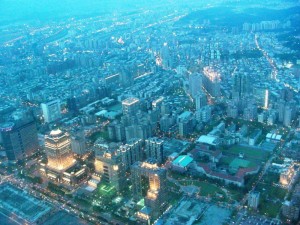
x=182, y=160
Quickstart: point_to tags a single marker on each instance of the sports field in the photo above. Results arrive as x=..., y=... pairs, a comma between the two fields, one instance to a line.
x=248, y=152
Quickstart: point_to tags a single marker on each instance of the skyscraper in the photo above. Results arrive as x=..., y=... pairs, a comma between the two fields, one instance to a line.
x=195, y=84
x=241, y=85
x=78, y=145
x=51, y=111
x=154, y=193
x=154, y=149
x=201, y=100
x=58, y=150
x=132, y=152
x=211, y=82
x=19, y=139
x=109, y=165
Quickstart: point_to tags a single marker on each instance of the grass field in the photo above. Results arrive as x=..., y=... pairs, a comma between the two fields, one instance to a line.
x=269, y=209
x=249, y=153
x=206, y=189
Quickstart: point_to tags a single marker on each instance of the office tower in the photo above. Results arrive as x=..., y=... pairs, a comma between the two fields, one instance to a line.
x=132, y=152
x=201, y=100
x=19, y=139
x=185, y=127
x=287, y=119
x=72, y=105
x=166, y=59
x=58, y=150
x=253, y=199
x=185, y=123
x=261, y=96
x=195, y=84
x=154, y=149
x=211, y=82
x=165, y=123
x=149, y=181
x=241, y=85
x=78, y=144
x=51, y=111
x=281, y=109
x=130, y=106
x=109, y=165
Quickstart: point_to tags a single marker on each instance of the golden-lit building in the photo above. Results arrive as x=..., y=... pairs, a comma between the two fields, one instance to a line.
x=147, y=177
x=58, y=150
x=109, y=165
x=287, y=175
x=61, y=166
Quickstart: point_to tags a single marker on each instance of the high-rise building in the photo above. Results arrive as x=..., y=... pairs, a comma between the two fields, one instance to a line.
x=287, y=119
x=132, y=152
x=211, y=82
x=78, y=144
x=72, y=105
x=281, y=107
x=203, y=114
x=195, y=84
x=241, y=85
x=130, y=106
x=253, y=199
x=19, y=139
x=185, y=123
x=149, y=181
x=109, y=165
x=51, y=111
x=58, y=150
x=201, y=100
x=154, y=149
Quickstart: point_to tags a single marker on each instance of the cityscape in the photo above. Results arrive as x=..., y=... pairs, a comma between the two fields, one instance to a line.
x=163, y=112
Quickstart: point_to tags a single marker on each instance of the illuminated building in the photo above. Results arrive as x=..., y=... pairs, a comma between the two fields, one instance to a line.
x=58, y=150
x=286, y=175
x=130, y=106
x=19, y=139
x=211, y=82
x=109, y=165
x=149, y=182
x=61, y=166
x=154, y=149
x=261, y=97
x=51, y=111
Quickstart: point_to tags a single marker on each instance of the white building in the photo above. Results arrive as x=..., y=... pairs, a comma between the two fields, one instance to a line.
x=51, y=111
